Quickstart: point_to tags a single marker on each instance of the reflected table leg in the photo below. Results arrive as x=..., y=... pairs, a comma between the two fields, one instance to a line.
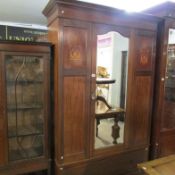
x=98, y=122
x=115, y=130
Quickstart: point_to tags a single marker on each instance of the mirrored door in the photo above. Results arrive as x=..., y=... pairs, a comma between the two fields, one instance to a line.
x=111, y=89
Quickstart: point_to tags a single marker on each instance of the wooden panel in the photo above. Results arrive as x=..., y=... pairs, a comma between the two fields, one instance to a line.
x=111, y=165
x=168, y=119
x=75, y=117
x=2, y=151
x=141, y=111
x=145, y=47
x=75, y=39
x=167, y=143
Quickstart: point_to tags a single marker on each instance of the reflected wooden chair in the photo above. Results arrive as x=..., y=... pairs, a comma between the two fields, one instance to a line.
x=105, y=111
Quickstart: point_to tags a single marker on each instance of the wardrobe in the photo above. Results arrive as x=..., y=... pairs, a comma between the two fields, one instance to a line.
x=163, y=133
x=104, y=67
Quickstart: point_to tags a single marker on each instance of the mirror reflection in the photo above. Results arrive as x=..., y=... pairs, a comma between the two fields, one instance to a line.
x=111, y=70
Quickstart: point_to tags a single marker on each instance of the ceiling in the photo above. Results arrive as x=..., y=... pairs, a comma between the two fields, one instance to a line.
x=29, y=12
x=23, y=11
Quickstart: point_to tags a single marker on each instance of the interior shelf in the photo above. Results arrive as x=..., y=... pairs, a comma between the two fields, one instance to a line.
x=24, y=82
x=27, y=130
x=24, y=107
x=25, y=147
x=26, y=153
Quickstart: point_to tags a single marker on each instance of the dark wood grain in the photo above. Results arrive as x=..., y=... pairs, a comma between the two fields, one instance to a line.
x=75, y=43
x=145, y=55
x=166, y=142
x=126, y=164
x=168, y=119
x=75, y=118
x=141, y=111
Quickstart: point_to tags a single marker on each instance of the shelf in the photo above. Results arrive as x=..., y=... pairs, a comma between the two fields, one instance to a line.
x=170, y=99
x=25, y=131
x=26, y=153
x=171, y=57
x=170, y=87
x=170, y=75
x=24, y=107
x=26, y=82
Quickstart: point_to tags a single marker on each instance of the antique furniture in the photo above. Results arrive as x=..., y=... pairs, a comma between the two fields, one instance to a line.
x=24, y=107
x=161, y=166
x=163, y=132
x=85, y=37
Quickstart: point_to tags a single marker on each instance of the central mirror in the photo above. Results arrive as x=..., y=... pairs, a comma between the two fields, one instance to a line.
x=111, y=89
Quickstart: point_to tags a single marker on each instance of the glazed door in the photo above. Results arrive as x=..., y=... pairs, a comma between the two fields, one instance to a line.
x=26, y=97
x=163, y=132
x=164, y=143
x=72, y=114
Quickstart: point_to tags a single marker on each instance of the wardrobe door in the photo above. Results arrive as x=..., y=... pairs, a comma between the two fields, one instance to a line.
x=142, y=89
x=165, y=143
x=75, y=90
x=163, y=132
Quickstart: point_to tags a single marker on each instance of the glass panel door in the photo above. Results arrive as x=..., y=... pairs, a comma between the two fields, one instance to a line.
x=25, y=113
x=170, y=74
x=169, y=86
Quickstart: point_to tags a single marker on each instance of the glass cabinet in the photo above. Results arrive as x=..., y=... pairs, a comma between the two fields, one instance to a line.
x=25, y=70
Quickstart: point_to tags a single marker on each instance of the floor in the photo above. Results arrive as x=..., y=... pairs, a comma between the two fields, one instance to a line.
x=104, y=138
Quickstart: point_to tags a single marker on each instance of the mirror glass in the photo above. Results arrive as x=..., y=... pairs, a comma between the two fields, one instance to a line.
x=111, y=88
